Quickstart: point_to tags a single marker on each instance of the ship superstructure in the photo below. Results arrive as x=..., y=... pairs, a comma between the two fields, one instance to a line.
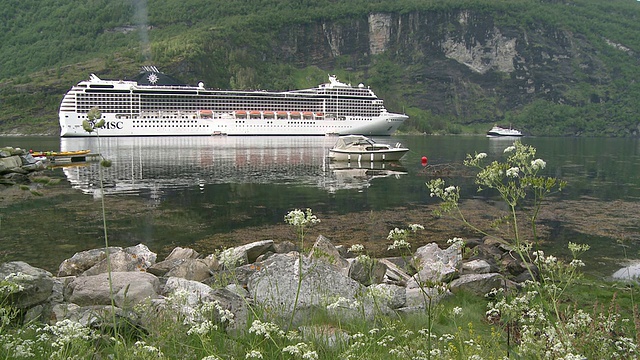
x=156, y=106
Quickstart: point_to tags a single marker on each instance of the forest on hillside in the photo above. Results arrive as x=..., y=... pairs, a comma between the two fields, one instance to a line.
x=46, y=46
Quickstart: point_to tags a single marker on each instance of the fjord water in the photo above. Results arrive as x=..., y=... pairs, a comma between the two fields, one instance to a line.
x=229, y=183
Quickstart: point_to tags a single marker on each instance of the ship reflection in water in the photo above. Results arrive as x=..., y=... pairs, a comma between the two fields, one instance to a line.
x=149, y=166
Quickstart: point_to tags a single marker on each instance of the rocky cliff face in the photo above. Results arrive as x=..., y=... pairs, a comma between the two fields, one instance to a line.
x=458, y=63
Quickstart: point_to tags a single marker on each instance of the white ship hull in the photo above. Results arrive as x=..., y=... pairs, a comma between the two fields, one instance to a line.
x=130, y=108
x=386, y=124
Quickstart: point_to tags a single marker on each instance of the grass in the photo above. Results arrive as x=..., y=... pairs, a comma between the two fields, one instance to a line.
x=461, y=331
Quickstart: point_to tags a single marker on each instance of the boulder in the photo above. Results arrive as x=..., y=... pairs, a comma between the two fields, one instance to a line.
x=31, y=285
x=478, y=284
x=163, y=267
x=629, y=272
x=192, y=295
x=120, y=261
x=83, y=260
x=129, y=288
x=141, y=252
x=395, y=274
x=393, y=296
x=275, y=284
x=435, y=265
x=89, y=316
x=324, y=250
x=256, y=249
x=239, y=275
x=477, y=266
x=419, y=299
x=10, y=163
x=179, y=253
x=367, y=271
x=191, y=269
x=284, y=247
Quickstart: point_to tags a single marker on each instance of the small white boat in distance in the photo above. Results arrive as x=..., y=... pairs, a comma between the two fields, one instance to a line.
x=500, y=131
x=361, y=148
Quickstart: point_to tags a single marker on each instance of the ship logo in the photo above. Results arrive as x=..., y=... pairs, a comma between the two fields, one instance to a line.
x=153, y=78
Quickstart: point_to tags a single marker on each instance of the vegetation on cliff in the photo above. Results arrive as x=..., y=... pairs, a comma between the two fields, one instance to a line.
x=572, y=69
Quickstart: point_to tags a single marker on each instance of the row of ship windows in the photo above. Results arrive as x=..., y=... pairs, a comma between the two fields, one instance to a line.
x=239, y=102
x=165, y=121
x=125, y=111
x=169, y=126
x=342, y=92
x=223, y=110
x=207, y=125
x=310, y=97
x=178, y=100
x=227, y=107
x=289, y=122
x=296, y=122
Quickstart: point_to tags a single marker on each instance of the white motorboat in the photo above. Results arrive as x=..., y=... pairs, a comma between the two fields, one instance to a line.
x=500, y=131
x=359, y=148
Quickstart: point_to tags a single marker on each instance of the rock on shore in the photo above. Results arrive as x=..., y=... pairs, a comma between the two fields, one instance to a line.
x=16, y=164
x=263, y=274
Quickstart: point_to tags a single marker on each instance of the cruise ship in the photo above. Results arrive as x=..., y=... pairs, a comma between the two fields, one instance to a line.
x=155, y=104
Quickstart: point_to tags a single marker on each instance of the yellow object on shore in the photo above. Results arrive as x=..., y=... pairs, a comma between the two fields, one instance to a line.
x=59, y=153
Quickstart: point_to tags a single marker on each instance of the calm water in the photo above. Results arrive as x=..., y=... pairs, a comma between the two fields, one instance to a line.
x=229, y=183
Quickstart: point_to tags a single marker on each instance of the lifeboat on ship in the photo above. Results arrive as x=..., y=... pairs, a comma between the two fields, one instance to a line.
x=205, y=114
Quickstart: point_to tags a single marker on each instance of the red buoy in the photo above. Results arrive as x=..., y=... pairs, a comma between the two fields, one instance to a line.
x=424, y=161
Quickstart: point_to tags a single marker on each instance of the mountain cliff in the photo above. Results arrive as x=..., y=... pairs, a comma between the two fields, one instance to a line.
x=546, y=67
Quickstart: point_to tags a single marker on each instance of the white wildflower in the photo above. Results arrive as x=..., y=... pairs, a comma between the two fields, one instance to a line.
x=538, y=164
x=385, y=340
x=67, y=331
x=399, y=244
x=576, y=263
x=457, y=311
x=297, y=349
x=265, y=328
x=456, y=241
x=364, y=260
x=356, y=248
x=310, y=355
x=578, y=248
x=214, y=306
x=513, y=172
x=509, y=149
x=416, y=227
x=342, y=302
x=253, y=354
x=202, y=328
x=539, y=254
x=481, y=156
x=396, y=233
x=140, y=349
x=298, y=217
